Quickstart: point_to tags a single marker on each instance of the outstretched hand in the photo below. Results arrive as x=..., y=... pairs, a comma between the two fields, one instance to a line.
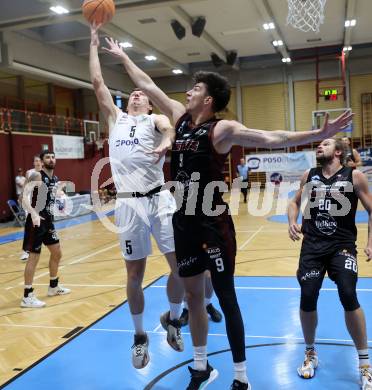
x=161, y=150
x=94, y=38
x=332, y=127
x=113, y=48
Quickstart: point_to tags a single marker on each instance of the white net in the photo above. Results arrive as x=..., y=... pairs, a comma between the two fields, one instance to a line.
x=306, y=15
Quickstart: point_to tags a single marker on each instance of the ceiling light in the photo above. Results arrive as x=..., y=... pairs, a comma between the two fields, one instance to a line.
x=347, y=48
x=177, y=71
x=278, y=43
x=150, y=58
x=58, y=9
x=269, y=26
x=350, y=23
x=286, y=59
x=125, y=45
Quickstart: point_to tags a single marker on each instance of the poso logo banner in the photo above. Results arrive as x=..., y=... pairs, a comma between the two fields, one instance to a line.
x=254, y=163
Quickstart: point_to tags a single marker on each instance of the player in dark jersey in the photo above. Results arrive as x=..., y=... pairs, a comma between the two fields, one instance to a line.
x=329, y=235
x=203, y=229
x=39, y=229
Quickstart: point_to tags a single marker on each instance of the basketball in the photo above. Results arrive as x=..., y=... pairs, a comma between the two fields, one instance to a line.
x=98, y=11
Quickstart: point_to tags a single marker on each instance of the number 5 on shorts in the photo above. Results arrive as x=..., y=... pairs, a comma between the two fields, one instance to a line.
x=128, y=246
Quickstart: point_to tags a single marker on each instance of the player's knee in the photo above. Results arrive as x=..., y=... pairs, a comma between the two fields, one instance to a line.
x=134, y=279
x=348, y=298
x=309, y=299
x=194, y=298
x=227, y=298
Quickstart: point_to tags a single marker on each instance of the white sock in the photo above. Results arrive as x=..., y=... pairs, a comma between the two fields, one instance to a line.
x=185, y=305
x=138, y=323
x=28, y=286
x=207, y=301
x=363, y=357
x=175, y=310
x=200, y=358
x=240, y=372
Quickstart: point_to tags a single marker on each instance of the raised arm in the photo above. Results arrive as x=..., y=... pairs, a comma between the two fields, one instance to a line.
x=229, y=133
x=357, y=160
x=171, y=108
x=361, y=188
x=294, y=205
x=105, y=102
x=163, y=124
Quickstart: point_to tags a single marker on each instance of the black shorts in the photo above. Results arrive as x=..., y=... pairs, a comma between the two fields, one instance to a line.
x=35, y=236
x=204, y=243
x=340, y=263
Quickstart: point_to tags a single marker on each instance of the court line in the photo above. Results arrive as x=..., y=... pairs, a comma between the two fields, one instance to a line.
x=155, y=331
x=83, y=285
x=223, y=335
x=157, y=328
x=251, y=237
x=281, y=288
x=35, y=326
x=71, y=263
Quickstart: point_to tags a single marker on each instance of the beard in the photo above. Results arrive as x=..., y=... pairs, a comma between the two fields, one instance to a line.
x=49, y=166
x=322, y=159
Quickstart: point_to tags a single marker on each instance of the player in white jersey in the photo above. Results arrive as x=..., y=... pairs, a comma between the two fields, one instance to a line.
x=138, y=142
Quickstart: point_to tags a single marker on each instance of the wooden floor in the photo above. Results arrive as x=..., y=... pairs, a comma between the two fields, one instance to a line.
x=93, y=268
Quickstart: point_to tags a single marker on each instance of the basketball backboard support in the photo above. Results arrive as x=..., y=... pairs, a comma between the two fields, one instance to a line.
x=91, y=131
x=318, y=118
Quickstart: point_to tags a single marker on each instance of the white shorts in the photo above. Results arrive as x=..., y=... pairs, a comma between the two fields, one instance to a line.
x=138, y=218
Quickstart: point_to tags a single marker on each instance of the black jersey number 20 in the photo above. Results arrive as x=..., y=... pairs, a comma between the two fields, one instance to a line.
x=132, y=131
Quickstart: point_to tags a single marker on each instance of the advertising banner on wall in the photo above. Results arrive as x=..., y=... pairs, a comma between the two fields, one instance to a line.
x=281, y=162
x=68, y=147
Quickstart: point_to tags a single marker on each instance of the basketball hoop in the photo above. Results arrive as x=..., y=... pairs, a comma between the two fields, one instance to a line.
x=306, y=15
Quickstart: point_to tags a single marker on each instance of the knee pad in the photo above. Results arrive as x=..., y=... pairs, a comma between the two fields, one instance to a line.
x=308, y=303
x=309, y=297
x=348, y=298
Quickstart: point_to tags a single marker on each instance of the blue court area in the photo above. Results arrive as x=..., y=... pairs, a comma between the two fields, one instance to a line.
x=360, y=217
x=99, y=357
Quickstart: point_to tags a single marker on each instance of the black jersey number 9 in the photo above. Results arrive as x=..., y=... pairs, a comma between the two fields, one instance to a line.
x=132, y=131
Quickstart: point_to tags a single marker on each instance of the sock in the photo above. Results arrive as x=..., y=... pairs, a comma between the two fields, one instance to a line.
x=175, y=310
x=310, y=347
x=363, y=357
x=240, y=372
x=185, y=305
x=28, y=290
x=200, y=358
x=53, y=282
x=138, y=323
x=207, y=301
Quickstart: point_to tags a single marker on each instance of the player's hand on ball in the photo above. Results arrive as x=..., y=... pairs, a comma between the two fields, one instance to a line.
x=294, y=231
x=368, y=252
x=94, y=38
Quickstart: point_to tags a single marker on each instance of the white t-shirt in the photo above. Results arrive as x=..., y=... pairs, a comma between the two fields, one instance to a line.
x=132, y=169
